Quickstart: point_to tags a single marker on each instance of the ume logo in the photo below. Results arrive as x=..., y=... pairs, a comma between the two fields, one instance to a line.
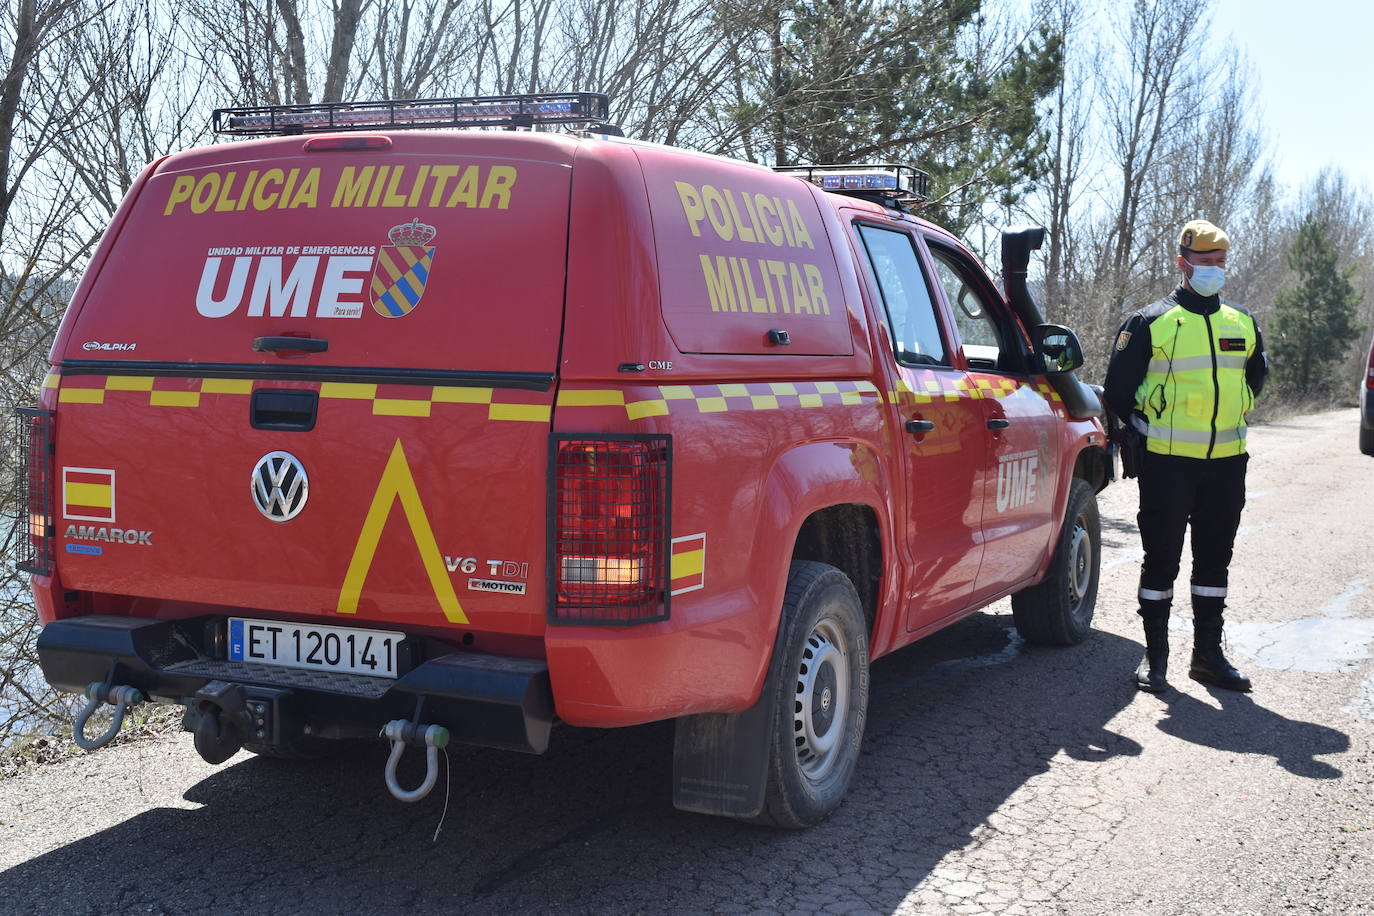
x=277, y=286
x=1016, y=480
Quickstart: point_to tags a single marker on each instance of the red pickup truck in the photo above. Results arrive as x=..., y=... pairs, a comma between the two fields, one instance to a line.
x=459, y=433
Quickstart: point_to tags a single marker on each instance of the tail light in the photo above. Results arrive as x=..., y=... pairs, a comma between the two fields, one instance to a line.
x=1369, y=370
x=33, y=482
x=609, y=529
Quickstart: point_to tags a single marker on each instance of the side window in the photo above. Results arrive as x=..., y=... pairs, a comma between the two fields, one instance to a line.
x=977, y=320
x=911, y=317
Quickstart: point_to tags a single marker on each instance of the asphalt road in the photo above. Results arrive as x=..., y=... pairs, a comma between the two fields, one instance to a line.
x=995, y=777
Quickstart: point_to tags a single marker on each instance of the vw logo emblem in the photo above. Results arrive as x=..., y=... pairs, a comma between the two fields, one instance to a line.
x=280, y=487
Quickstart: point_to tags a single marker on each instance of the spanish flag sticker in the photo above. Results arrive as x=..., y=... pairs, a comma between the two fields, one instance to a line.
x=688, y=569
x=88, y=494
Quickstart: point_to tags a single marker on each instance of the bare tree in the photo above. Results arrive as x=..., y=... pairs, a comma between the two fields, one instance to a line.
x=286, y=52
x=1068, y=154
x=38, y=248
x=1150, y=105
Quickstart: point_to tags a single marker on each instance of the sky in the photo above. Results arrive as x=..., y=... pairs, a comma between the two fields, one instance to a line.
x=1314, y=64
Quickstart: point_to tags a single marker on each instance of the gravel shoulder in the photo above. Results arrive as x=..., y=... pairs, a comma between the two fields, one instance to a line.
x=996, y=778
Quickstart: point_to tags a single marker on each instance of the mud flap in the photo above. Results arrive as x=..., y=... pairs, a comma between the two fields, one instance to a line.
x=720, y=760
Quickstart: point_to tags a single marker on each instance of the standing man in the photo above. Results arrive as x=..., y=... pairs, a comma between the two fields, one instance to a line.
x=1183, y=374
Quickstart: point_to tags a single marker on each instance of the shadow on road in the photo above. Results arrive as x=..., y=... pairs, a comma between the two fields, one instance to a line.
x=956, y=725
x=1244, y=727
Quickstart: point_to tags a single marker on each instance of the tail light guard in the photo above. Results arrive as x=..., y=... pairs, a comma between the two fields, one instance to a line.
x=608, y=528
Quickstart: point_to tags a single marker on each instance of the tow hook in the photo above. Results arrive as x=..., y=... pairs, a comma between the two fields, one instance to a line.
x=97, y=695
x=403, y=732
x=223, y=722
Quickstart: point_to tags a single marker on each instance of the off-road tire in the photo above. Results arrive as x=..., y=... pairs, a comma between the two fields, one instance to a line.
x=1059, y=611
x=820, y=666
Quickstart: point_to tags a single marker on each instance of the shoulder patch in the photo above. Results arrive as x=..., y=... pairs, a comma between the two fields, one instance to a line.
x=1122, y=339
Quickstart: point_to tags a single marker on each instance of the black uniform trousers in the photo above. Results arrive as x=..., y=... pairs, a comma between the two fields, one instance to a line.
x=1175, y=492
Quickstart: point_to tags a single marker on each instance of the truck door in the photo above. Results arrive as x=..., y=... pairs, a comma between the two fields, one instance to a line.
x=940, y=425
x=1020, y=423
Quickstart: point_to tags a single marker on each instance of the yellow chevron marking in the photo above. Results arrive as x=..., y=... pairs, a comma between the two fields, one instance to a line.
x=397, y=483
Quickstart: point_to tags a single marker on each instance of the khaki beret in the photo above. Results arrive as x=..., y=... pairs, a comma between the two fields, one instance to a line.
x=1200, y=235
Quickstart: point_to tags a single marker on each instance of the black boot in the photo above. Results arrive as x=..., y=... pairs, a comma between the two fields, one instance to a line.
x=1209, y=663
x=1150, y=675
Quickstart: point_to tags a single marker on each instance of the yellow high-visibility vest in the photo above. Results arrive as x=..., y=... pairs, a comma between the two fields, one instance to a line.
x=1195, y=395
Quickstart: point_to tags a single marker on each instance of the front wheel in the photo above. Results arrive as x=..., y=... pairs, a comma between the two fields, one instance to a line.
x=1059, y=611
x=821, y=667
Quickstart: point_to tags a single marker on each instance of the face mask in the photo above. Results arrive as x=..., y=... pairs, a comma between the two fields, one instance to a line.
x=1207, y=281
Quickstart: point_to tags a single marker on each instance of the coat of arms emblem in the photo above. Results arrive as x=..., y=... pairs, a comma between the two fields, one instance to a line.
x=398, y=277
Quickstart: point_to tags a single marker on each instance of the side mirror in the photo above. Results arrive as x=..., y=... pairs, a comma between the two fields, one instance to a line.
x=1057, y=349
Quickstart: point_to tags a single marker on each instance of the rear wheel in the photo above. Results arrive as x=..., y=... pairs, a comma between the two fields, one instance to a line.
x=821, y=668
x=1059, y=611
x=1367, y=439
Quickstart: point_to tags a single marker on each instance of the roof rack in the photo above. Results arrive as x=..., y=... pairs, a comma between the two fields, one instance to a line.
x=506, y=111
x=889, y=184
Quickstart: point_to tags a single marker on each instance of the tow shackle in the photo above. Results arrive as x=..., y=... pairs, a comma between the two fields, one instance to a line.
x=402, y=732
x=97, y=695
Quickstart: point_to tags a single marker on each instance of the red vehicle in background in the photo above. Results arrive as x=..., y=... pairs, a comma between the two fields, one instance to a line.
x=1367, y=405
x=454, y=434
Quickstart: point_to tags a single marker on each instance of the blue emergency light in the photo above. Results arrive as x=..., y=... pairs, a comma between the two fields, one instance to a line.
x=508, y=111
x=887, y=183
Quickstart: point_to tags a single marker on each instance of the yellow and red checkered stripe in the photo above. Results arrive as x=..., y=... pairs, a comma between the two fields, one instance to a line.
x=941, y=387
x=511, y=404
x=500, y=404
x=664, y=400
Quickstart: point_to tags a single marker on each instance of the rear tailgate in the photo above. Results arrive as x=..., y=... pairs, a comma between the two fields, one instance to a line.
x=409, y=445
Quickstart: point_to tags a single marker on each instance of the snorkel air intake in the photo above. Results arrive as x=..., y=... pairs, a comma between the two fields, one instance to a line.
x=1081, y=400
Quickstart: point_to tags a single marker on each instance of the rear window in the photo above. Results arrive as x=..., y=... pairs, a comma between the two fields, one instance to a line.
x=742, y=253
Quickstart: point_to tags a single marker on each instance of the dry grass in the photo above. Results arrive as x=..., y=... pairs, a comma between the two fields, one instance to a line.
x=41, y=748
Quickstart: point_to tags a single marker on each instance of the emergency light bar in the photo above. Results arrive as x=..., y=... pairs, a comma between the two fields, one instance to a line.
x=508, y=111
x=884, y=182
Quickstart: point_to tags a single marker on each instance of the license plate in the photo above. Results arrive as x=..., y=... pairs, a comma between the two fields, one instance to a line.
x=293, y=645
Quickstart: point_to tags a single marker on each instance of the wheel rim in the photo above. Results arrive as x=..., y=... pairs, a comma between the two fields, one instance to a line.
x=1080, y=564
x=821, y=702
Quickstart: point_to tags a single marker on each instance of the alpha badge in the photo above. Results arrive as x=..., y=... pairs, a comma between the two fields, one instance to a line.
x=1122, y=339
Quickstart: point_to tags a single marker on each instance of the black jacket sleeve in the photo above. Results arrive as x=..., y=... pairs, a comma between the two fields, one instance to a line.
x=1257, y=366
x=1129, y=362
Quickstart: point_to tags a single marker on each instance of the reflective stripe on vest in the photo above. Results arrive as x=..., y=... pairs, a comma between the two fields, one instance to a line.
x=1195, y=395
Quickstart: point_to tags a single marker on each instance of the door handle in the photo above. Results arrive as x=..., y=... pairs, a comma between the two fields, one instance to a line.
x=302, y=344
x=998, y=423
x=917, y=427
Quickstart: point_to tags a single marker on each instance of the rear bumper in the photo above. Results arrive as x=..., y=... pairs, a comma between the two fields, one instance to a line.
x=482, y=700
